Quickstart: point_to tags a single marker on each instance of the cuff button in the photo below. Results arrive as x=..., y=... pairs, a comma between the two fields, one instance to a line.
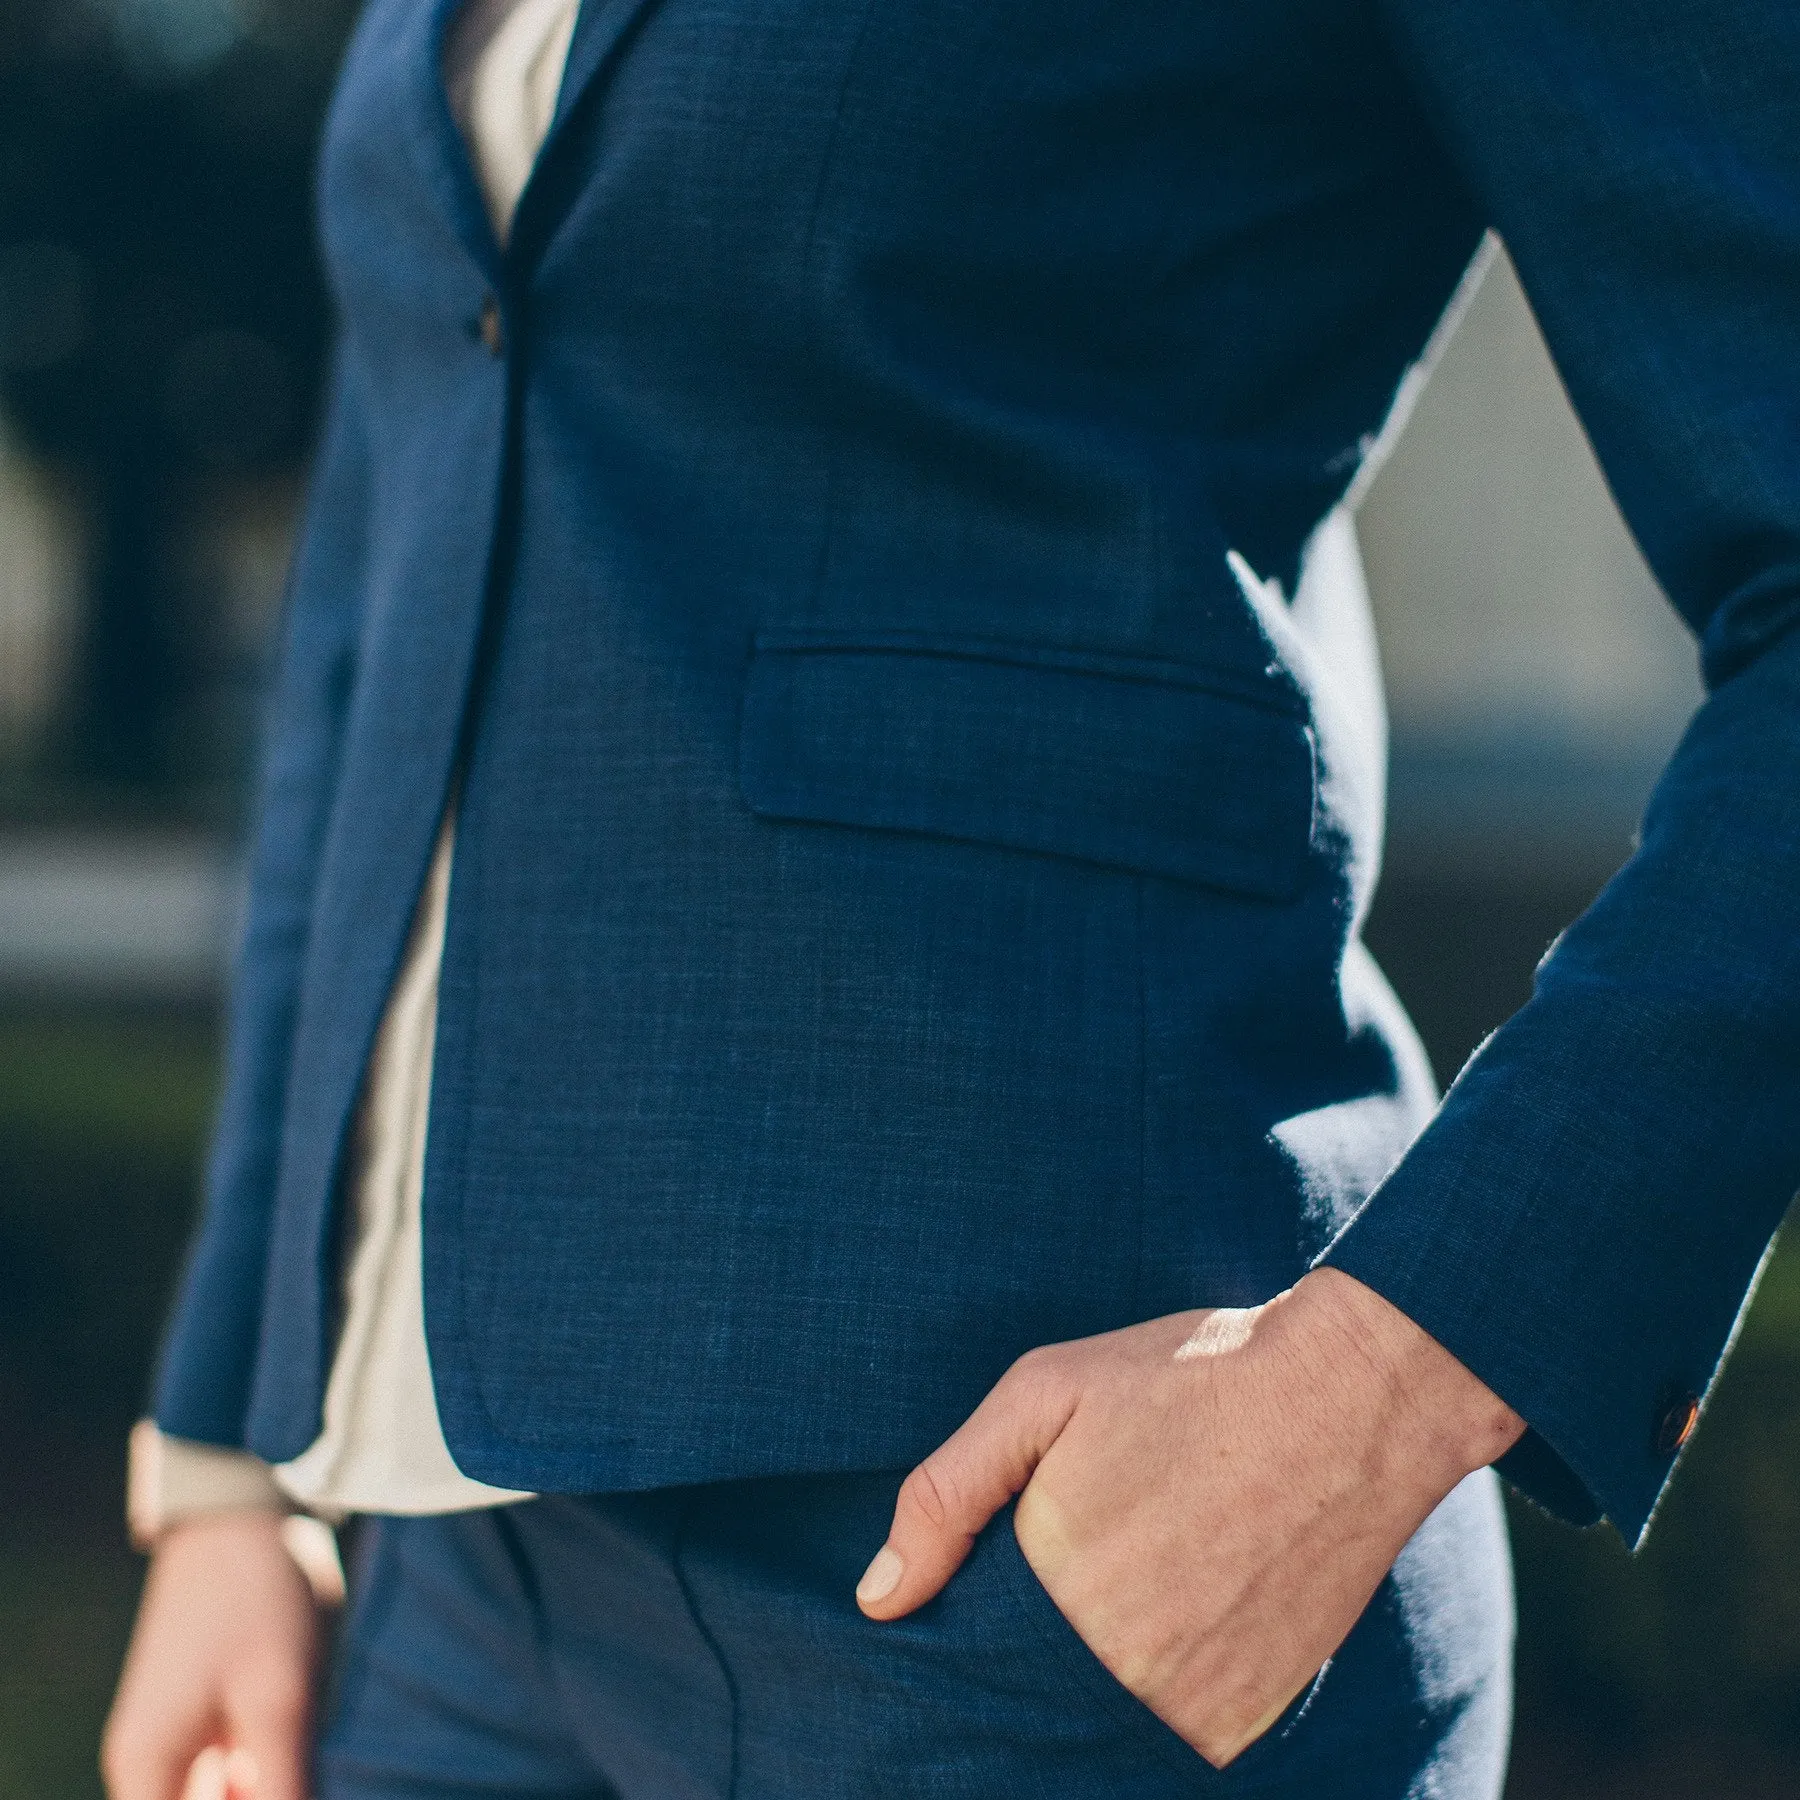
x=1677, y=1424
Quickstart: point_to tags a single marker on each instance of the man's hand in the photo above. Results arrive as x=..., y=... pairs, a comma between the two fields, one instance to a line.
x=223, y=1659
x=1210, y=1498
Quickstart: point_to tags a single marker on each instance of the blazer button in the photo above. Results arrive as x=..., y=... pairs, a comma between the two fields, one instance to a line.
x=490, y=329
x=1677, y=1424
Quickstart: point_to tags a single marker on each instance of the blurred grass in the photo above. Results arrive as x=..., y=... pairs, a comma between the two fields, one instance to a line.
x=102, y=1115
x=139, y=1089
x=65, y=1608
x=1675, y=1673
x=101, y=1121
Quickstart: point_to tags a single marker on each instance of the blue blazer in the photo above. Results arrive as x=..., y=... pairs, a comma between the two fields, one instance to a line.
x=911, y=855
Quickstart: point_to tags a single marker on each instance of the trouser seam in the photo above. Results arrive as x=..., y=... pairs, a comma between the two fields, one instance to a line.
x=676, y=1546
x=512, y=1546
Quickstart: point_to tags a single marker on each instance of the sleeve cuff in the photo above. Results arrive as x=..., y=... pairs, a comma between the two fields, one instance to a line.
x=170, y=1479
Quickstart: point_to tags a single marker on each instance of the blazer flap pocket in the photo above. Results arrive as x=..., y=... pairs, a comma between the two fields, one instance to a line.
x=1139, y=766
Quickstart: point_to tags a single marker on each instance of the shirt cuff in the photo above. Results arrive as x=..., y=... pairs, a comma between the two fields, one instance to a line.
x=171, y=1478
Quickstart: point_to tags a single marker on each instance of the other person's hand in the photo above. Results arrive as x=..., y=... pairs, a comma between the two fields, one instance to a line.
x=1212, y=1498
x=224, y=1658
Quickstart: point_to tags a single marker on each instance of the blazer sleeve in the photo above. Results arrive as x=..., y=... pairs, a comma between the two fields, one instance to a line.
x=203, y=1386
x=1584, y=1219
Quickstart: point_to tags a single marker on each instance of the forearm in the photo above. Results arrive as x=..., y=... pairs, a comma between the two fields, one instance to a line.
x=203, y=1385
x=1582, y=1221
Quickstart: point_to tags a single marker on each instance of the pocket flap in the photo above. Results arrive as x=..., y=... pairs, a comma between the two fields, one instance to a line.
x=1134, y=766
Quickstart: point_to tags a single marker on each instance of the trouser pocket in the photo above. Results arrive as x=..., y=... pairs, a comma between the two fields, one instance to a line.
x=1089, y=1676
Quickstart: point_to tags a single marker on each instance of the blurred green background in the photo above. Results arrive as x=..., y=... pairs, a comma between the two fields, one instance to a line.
x=161, y=327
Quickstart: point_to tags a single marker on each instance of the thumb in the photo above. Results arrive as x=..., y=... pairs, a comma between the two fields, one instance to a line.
x=953, y=1493
x=207, y=1778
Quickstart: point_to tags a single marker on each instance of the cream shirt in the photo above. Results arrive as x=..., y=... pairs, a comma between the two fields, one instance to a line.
x=382, y=1447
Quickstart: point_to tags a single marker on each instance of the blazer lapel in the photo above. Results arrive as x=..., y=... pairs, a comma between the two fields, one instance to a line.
x=601, y=27
x=441, y=152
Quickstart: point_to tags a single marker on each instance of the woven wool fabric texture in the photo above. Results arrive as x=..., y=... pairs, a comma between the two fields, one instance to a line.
x=801, y=1059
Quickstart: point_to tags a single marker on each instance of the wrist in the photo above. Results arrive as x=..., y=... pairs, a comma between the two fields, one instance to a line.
x=1427, y=1415
x=176, y=1488
x=308, y=1543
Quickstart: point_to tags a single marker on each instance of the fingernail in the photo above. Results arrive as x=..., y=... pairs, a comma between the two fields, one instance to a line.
x=881, y=1577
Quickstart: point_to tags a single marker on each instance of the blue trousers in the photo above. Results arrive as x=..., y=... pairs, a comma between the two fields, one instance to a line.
x=703, y=1642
